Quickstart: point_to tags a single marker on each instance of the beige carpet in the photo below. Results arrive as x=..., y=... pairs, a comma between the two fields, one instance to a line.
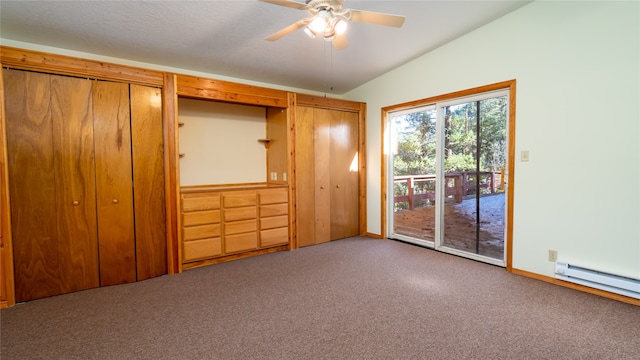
x=356, y=298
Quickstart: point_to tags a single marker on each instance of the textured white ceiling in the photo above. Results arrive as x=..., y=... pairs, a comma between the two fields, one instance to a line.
x=227, y=37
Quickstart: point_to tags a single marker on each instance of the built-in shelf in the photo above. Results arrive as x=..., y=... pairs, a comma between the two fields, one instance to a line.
x=265, y=142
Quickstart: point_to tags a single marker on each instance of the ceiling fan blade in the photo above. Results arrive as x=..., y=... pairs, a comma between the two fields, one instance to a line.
x=288, y=30
x=288, y=3
x=340, y=42
x=375, y=18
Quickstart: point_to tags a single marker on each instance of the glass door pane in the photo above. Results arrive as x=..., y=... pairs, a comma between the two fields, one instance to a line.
x=474, y=163
x=413, y=153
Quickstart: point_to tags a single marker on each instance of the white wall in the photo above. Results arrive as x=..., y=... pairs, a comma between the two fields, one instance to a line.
x=577, y=67
x=220, y=143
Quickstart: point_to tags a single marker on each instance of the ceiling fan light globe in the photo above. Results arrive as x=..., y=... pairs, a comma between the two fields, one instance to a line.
x=318, y=24
x=340, y=26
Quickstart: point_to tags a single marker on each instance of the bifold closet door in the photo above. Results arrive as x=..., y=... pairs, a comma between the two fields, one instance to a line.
x=51, y=183
x=112, y=142
x=326, y=175
x=148, y=181
x=343, y=150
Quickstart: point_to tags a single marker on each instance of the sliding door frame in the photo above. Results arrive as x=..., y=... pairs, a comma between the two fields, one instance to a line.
x=509, y=85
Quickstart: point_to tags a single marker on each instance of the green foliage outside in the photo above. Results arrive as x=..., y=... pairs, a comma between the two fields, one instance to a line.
x=415, y=143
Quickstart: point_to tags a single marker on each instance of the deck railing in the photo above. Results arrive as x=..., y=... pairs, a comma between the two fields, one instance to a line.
x=458, y=185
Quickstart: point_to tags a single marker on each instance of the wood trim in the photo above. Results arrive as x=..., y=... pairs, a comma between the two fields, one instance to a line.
x=383, y=174
x=570, y=285
x=452, y=95
x=171, y=173
x=72, y=66
x=510, y=175
x=8, y=299
x=293, y=200
x=362, y=162
x=509, y=84
x=328, y=103
x=204, y=88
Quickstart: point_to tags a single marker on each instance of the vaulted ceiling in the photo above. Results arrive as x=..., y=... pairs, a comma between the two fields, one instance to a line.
x=226, y=38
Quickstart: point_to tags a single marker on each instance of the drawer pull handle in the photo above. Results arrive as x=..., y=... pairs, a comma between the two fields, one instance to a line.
x=75, y=203
x=321, y=187
x=338, y=186
x=115, y=201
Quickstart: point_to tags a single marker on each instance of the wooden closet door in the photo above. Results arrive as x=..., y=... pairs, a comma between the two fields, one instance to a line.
x=305, y=176
x=75, y=196
x=112, y=141
x=344, y=175
x=31, y=184
x=148, y=181
x=323, y=172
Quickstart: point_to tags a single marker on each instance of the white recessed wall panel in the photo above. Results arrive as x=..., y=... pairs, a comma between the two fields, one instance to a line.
x=220, y=143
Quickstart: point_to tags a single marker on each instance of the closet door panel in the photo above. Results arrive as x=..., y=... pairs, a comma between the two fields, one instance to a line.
x=112, y=141
x=75, y=196
x=344, y=175
x=323, y=165
x=31, y=184
x=148, y=181
x=305, y=178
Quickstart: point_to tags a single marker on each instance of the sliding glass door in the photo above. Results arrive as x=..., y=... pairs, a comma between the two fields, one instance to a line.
x=448, y=162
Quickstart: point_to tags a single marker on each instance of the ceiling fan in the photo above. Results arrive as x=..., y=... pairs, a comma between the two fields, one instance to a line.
x=330, y=20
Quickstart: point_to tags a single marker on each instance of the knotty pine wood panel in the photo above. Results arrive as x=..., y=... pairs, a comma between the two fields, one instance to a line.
x=277, y=155
x=327, y=103
x=344, y=175
x=203, y=88
x=31, y=184
x=112, y=139
x=324, y=169
x=7, y=287
x=305, y=176
x=75, y=193
x=148, y=181
x=67, y=65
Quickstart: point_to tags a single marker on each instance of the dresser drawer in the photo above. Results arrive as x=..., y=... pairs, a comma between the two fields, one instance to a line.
x=274, y=222
x=201, y=249
x=200, y=201
x=239, y=198
x=240, y=242
x=273, y=196
x=238, y=227
x=273, y=210
x=241, y=213
x=200, y=232
x=200, y=217
x=272, y=237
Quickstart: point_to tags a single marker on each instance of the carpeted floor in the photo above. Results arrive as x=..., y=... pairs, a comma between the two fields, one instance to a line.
x=356, y=298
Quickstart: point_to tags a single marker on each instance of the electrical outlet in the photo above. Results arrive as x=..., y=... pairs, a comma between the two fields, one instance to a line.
x=274, y=176
x=524, y=155
x=284, y=176
x=553, y=255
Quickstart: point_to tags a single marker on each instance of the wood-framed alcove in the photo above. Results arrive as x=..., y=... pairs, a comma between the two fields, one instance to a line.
x=172, y=87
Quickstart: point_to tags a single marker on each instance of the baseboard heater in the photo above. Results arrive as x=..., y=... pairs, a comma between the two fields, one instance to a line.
x=597, y=279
